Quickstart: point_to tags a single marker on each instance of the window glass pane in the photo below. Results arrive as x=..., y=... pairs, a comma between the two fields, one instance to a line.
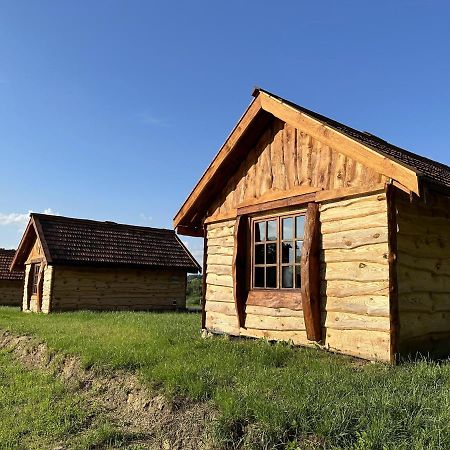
x=260, y=231
x=288, y=228
x=287, y=253
x=298, y=277
x=271, y=253
x=287, y=277
x=272, y=230
x=259, y=277
x=271, y=277
x=299, y=226
x=298, y=251
x=259, y=254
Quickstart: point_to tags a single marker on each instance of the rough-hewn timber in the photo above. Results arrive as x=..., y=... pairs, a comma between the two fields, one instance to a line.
x=285, y=158
x=354, y=283
x=11, y=292
x=116, y=289
x=424, y=275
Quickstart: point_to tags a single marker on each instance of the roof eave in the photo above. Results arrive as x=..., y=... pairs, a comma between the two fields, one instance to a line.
x=237, y=132
x=25, y=244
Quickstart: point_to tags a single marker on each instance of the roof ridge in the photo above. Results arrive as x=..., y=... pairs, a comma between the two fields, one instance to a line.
x=99, y=222
x=188, y=253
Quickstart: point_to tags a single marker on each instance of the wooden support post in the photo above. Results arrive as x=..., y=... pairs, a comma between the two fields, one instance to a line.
x=393, y=281
x=205, y=256
x=311, y=274
x=240, y=268
x=40, y=287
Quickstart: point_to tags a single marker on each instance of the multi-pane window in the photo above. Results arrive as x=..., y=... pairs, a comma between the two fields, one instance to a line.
x=35, y=278
x=277, y=252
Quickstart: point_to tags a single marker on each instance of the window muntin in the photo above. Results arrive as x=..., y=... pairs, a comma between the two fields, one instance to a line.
x=277, y=246
x=35, y=278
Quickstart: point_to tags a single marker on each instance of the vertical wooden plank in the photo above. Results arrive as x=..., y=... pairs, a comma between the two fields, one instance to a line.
x=251, y=180
x=298, y=158
x=305, y=148
x=40, y=287
x=311, y=274
x=290, y=156
x=205, y=262
x=324, y=167
x=393, y=281
x=350, y=173
x=314, y=161
x=265, y=180
x=338, y=170
x=277, y=154
x=240, y=268
x=50, y=294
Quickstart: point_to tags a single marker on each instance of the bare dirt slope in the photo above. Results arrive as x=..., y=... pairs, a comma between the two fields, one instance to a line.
x=154, y=421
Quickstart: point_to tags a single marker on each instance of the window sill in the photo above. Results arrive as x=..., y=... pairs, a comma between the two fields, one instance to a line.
x=276, y=298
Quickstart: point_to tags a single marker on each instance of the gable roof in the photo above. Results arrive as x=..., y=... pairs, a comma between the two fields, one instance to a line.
x=403, y=166
x=69, y=241
x=6, y=257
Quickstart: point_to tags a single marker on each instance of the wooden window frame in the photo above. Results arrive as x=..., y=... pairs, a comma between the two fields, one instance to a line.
x=35, y=270
x=279, y=243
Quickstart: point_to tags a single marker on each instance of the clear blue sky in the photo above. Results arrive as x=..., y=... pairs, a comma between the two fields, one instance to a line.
x=112, y=110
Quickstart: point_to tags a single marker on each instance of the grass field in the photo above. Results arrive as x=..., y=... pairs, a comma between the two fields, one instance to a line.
x=38, y=412
x=269, y=396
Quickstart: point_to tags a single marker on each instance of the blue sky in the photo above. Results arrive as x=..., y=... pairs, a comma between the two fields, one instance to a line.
x=112, y=110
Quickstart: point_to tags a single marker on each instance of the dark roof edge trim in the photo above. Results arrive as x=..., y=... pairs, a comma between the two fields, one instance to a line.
x=326, y=122
x=196, y=264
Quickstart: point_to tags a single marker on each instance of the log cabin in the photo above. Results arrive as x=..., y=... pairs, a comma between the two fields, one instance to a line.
x=72, y=264
x=322, y=235
x=11, y=283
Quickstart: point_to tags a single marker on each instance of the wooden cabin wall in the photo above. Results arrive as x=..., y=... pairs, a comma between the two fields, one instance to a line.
x=11, y=292
x=355, y=277
x=355, y=267
x=47, y=289
x=423, y=270
x=261, y=322
x=220, y=309
x=354, y=286
x=26, y=288
x=285, y=158
x=117, y=289
x=36, y=255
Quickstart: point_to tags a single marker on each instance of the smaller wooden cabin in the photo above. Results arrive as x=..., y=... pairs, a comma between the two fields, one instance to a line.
x=11, y=283
x=320, y=234
x=75, y=264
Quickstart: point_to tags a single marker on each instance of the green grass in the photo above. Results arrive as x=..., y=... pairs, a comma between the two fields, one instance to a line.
x=38, y=412
x=280, y=396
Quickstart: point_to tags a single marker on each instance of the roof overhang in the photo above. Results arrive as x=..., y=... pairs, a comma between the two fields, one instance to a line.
x=32, y=232
x=249, y=128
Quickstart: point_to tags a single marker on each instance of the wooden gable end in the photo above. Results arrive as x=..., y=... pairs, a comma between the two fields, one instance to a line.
x=277, y=146
x=287, y=161
x=32, y=247
x=36, y=253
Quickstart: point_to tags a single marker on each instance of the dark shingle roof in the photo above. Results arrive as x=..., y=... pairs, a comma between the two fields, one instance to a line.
x=426, y=167
x=89, y=242
x=6, y=257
